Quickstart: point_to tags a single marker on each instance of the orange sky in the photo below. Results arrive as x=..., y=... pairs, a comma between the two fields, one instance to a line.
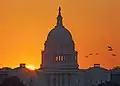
x=24, y=25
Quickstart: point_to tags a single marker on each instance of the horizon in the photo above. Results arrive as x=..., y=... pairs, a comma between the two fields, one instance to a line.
x=31, y=67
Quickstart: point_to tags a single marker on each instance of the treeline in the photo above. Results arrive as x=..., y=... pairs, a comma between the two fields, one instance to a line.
x=12, y=81
x=108, y=83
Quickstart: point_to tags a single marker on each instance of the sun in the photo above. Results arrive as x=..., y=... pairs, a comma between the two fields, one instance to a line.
x=30, y=67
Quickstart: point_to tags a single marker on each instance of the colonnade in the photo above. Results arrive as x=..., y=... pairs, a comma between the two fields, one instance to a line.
x=58, y=79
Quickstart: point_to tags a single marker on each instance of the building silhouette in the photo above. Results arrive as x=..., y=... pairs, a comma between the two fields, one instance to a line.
x=115, y=75
x=59, y=51
x=59, y=58
x=59, y=61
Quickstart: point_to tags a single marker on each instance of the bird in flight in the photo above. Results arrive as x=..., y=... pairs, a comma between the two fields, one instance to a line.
x=110, y=48
x=91, y=54
x=97, y=54
x=86, y=56
x=113, y=54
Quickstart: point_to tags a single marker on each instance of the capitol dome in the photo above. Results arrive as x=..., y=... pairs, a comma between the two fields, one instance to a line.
x=59, y=50
x=59, y=34
x=59, y=38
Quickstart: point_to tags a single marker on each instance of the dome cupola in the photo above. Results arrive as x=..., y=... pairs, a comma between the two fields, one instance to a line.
x=59, y=18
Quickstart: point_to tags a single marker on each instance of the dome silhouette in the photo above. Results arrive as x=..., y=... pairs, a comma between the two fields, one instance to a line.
x=59, y=39
x=59, y=34
x=59, y=48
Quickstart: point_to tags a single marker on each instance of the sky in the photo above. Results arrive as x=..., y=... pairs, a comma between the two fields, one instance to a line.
x=94, y=24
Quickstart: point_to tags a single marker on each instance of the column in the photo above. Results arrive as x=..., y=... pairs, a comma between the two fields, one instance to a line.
x=65, y=80
x=60, y=77
x=51, y=79
x=48, y=80
x=56, y=76
x=69, y=80
x=54, y=80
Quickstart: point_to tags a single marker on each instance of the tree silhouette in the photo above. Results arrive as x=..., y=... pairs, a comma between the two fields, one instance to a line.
x=12, y=81
x=108, y=83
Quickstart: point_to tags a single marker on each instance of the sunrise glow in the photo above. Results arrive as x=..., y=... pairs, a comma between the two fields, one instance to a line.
x=30, y=67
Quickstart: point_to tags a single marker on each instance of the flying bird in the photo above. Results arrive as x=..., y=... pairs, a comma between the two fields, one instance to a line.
x=110, y=48
x=91, y=54
x=86, y=56
x=113, y=54
x=97, y=54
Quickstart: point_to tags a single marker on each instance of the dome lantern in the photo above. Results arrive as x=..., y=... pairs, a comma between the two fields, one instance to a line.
x=59, y=18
